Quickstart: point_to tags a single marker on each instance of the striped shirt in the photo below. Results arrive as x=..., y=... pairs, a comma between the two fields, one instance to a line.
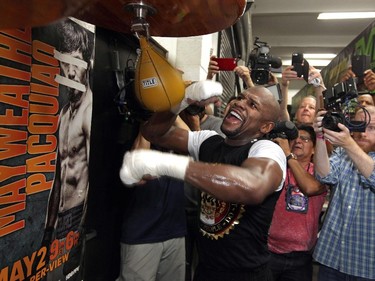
x=347, y=239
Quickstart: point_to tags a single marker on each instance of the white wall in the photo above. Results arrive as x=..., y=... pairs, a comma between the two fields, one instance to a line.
x=190, y=54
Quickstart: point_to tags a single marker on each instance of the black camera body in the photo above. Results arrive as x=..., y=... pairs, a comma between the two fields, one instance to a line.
x=331, y=119
x=284, y=130
x=194, y=109
x=337, y=95
x=260, y=62
x=341, y=93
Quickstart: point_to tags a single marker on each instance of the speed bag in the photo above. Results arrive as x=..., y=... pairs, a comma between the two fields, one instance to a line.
x=158, y=85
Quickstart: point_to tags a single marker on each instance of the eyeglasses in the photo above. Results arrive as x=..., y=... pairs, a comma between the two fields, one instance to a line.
x=304, y=139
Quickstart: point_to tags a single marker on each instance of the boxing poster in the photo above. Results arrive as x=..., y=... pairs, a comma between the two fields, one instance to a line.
x=363, y=44
x=45, y=126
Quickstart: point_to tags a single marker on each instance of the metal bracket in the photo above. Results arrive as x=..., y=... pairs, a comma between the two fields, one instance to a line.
x=139, y=24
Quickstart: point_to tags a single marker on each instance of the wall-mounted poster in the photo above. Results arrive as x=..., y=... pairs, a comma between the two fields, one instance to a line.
x=45, y=126
x=363, y=44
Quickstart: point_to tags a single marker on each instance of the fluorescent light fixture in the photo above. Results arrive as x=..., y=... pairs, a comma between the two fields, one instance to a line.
x=312, y=62
x=349, y=15
x=319, y=56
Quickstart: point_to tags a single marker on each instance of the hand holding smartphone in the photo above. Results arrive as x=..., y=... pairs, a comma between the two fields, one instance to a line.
x=360, y=63
x=300, y=65
x=226, y=64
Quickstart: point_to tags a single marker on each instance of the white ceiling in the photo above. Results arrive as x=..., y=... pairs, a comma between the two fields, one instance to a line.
x=291, y=25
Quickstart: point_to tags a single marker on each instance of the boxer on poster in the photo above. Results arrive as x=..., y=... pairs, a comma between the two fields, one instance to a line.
x=68, y=197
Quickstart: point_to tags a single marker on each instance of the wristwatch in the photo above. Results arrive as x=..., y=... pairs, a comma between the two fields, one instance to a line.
x=291, y=156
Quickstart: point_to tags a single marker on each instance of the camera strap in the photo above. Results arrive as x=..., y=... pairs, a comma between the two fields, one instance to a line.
x=295, y=200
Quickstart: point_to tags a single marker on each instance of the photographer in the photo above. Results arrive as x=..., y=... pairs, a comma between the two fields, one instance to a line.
x=261, y=61
x=306, y=110
x=258, y=69
x=242, y=71
x=345, y=249
x=295, y=221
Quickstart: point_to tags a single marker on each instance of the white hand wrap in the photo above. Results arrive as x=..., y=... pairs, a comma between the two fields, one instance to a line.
x=142, y=162
x=198, y=91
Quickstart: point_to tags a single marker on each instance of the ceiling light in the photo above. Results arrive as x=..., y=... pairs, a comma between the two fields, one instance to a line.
x=351, y=15
x=312, y=62
x=319, y=56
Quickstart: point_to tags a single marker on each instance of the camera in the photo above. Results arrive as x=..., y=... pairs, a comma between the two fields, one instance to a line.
x=335, y=99
x=339, y=94
x=194, y=109
x=285, y=130
x=260, y=62
x=331, y=120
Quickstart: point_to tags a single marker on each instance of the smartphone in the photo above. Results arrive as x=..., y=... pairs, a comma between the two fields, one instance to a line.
x=297, y=58
x=226, y=64
x=297, y=61
x=305, y=70
x=360, y=63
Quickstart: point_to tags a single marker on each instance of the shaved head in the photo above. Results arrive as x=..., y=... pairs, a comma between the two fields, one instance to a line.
x=271, y=108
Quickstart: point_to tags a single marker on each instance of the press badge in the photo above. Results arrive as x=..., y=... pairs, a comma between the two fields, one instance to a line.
x=296, y=201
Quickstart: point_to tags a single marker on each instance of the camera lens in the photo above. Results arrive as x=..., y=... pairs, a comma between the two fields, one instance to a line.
x=331, y=120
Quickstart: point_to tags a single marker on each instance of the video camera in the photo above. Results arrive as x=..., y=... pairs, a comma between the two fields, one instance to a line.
x=260, y=62
x=336, y=99
x=285, y=130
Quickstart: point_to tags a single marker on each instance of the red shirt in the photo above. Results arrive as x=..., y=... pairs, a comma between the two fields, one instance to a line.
x=293, y=231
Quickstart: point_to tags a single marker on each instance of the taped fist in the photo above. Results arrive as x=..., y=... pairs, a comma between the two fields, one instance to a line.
x=145, y=162
x=206, y=90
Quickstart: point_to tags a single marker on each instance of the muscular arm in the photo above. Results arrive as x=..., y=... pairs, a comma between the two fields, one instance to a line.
x=249, y=184
x=160, y=130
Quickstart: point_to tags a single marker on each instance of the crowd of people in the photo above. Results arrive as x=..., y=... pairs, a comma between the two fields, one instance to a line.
x=253, y=204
